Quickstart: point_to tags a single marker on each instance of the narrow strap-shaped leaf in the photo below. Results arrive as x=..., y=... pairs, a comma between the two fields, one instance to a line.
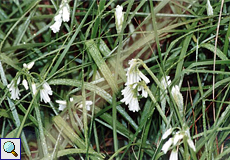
x=95, y=53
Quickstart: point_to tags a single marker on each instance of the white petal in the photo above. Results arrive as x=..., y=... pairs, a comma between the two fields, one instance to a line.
x=167, y=133
x=30, y=65
x=119, y=18
x=191, y=144
x=56, y=26
x=61, y=102
x=25, y=84
x=173, y=155
x=34, y=89
x=18, y=80
x=209, y=8
x=144, y=77
x=71, y=99
x=25, y=65
x=58, y=18
x=166, y=146
x=177, y=138
x=66, y=13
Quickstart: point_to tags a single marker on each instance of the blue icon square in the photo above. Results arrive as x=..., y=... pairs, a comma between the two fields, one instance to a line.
x=10, y=148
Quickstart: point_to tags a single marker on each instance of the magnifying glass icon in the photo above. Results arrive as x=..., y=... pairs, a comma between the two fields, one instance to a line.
x=9, y=147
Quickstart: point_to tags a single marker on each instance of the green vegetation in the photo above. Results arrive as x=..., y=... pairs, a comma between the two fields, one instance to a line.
x=152, y=84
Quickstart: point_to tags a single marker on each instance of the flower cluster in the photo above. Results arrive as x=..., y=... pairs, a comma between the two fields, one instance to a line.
x=62, y=15
x=45, y=91
x=119, y=18
x=136, y=82
x=13, y=86
x=174, y=141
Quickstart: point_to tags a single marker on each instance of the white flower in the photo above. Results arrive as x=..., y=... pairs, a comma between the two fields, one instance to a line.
x=62, y=104
x=165, y=81
x=167, y=133
x=130, y=98
x=191, y=144
x=34, y=89
x=119, y=18
x=87, y=105
x=142, y=89
x=71, y=99
x=209, y=8
x=29, y=65
x=173, y=155
x=56, y=26
x=65, y=13
x=134, y=75
x=166, y=146
x=25, y=84
x=13, y=88
x=189, y=140
x=178, y=136
x=45, y=92
x=177, y=96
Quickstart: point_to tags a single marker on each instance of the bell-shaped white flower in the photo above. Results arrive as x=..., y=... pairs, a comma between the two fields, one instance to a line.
x=45, y=92
x=189, y=140
x=174, y=155
x=119, y=18
x=191, y=144
x=66, y=13
x=165, y=81
x=63, y=15
x=56, y=26
x=34, y=89
x=177, y=96
x=13, y=88
x=25, y=84
x=29, y=65
x=177, y=137
x=134, y=75
x=167, y=145
x=209, y=8
x=130, y=98
x=167, y=133
x=62, y=104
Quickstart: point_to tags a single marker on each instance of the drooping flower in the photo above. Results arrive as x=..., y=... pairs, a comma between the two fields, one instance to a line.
x=167, y=145
x=177, y=137
x=177, y=96
x=25, y=84
x=13, y=88
x=56, y=26
x=167, y=133
x=209, y=8
x=66, y=13
x=174, y=155
x=45, y=92
x=165, y=81
x=62, y=104
x=130, y=98
x=119, y=18
x=29, y=65
x=34, y=89
x=62, y=15
x=189, y=140
x=133, y=74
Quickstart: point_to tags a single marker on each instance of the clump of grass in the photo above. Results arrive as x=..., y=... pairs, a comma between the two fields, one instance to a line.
x=152, y=87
